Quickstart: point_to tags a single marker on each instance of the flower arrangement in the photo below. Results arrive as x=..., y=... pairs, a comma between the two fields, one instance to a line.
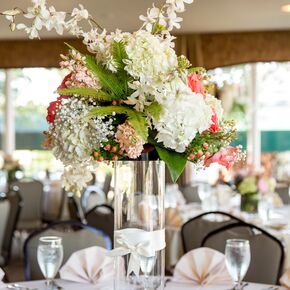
x=130, y=94
x=11, y=167
x=251, y=187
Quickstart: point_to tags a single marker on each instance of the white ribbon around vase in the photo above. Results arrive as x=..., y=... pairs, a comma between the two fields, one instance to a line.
x=138, y=243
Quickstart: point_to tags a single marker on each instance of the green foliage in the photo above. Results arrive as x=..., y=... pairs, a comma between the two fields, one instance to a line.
x=175, y=161
x=136, y=119
x=119, y=54
x=154, y=110
x=87, y=92
x=109, y=81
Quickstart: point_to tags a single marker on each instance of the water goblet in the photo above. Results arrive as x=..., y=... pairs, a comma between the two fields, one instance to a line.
x=49, y=257
x=238, y=257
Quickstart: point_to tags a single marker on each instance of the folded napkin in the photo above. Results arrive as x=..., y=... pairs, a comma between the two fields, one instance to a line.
x=173, y=217
x=2, y=274
x=285, y=279
x=91, y=265
x=202, y=266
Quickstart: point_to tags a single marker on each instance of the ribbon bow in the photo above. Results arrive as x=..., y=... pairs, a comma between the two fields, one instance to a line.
x=137, y=242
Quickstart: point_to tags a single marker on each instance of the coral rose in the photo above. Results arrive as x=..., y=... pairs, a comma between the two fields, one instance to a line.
x=196, y=84
x=225, y=157
x=215, y=127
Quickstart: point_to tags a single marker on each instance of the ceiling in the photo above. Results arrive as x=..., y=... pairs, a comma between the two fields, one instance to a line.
x=201, y=16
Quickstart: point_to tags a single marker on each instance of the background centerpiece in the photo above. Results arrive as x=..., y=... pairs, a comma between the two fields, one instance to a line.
x=131, y=95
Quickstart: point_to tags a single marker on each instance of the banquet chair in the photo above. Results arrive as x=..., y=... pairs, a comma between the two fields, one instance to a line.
x=284, y=193
x=267, y=252
x=75, y=236
x=76, y=212
x=31, y=192
x=107, y=183
x=53, y=202
x=4, y=220
x=190, y=193
x=194, y=230
x=102, y=217
x=93, y=195
x=14, y=200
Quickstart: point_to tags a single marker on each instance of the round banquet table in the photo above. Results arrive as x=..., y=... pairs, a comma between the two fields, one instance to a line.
x=67, y=285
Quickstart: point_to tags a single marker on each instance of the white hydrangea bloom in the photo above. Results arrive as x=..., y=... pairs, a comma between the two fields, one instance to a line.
x=75, y=178
x=74, y=136
x=215, y=104
x=184, y=114
x=150, y=57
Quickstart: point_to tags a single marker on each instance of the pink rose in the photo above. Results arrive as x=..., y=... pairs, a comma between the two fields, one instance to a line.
x=196, y=84
x=215, y=127
x=225, y=157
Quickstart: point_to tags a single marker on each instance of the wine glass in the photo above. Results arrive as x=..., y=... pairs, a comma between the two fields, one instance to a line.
x=49, y=257
x=238, y=257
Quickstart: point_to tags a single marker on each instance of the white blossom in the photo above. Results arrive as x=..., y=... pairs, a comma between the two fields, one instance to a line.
x=184, y=114
x=55, y=21
x=75, y=178
x=178, y=4
x=74, y=135
x=149, y=57
x=143, y=94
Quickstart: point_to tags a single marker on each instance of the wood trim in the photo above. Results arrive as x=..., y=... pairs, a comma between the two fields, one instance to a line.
x=34, y=53
x=223, y=49
x=209, y=50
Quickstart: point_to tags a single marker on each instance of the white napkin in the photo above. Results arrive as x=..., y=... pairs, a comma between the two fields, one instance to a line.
x=2, y=274
x=285, y=279
x=202, y=266
x=91, y=265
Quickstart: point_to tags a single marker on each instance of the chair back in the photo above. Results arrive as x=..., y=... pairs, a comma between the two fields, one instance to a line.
x=14, y=200
x=53, y=201
x=4, y=220
x=92, y=196
x=75, y=210
x=190, y=193
x=31, y=192
x=102, y=217
x=194, y=231
x=75, y=236
x=284, y=193
x=267, y=252
x=107, y=183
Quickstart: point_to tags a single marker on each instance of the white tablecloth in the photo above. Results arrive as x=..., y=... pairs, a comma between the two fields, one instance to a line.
x=169, y=286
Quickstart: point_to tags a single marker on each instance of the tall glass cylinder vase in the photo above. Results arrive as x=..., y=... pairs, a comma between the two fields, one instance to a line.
x=139, y=237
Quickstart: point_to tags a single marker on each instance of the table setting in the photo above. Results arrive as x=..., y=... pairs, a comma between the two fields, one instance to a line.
x=202, y=268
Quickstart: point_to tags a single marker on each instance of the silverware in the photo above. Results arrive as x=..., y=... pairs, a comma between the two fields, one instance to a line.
x=16, y=286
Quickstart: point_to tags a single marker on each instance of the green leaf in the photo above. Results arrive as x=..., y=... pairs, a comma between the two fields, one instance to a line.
x=119, y=54
x=108, y=80
x=72, y=48
x=175, y=161
x=137, y=119
x=87, y=92
x=154, y=110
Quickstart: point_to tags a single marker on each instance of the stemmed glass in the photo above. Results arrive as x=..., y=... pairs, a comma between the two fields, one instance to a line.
x=49, y=257
x=238, y=257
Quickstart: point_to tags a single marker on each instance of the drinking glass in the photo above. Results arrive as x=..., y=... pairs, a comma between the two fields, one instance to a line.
x=238, y=257
x=49, y=257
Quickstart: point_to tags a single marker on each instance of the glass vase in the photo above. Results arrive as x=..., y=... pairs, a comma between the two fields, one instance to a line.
x=139, y=236
x=249, y=202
